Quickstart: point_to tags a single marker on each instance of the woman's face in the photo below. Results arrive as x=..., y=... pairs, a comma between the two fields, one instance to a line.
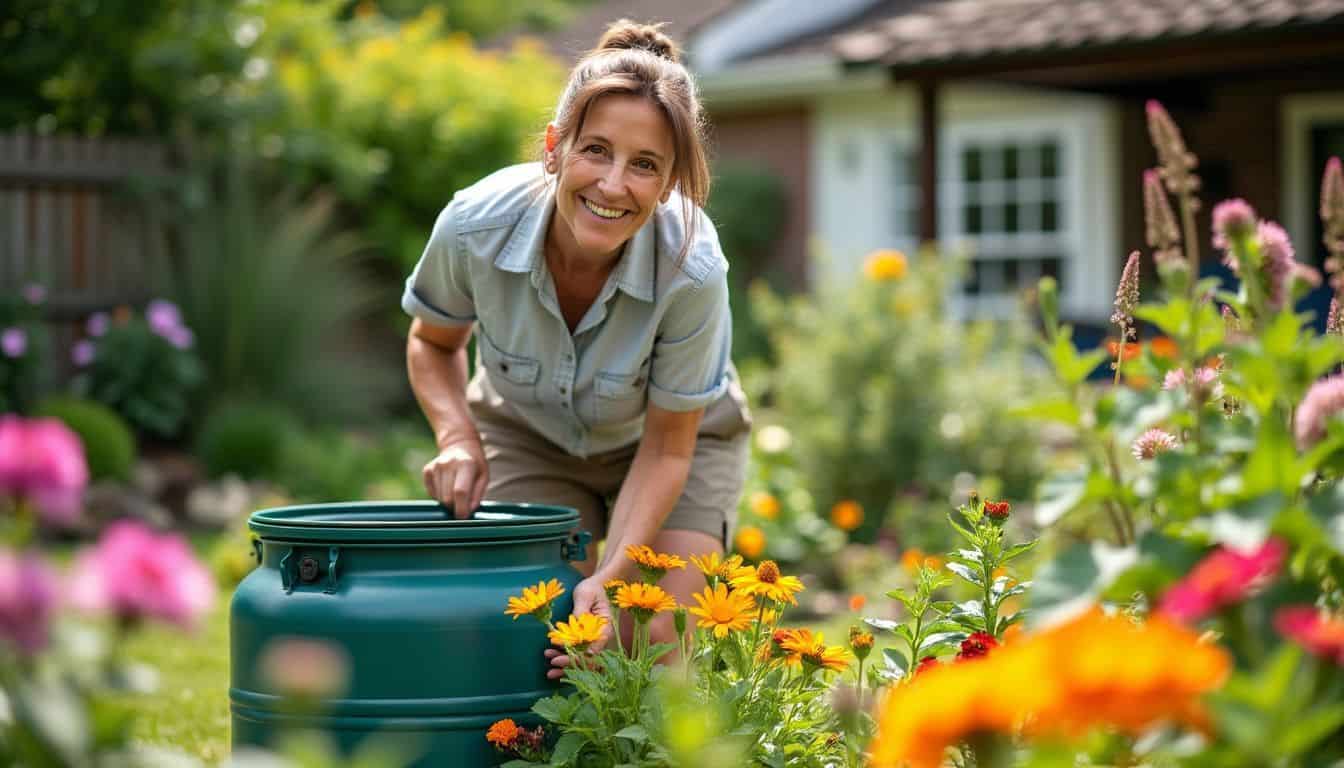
x=618, y=168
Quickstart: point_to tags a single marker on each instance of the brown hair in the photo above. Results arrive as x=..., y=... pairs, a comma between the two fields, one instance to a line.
x=639, y=60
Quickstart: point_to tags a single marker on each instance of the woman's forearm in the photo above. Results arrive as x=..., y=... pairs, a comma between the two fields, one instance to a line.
x=438, y=377
x=647, y=496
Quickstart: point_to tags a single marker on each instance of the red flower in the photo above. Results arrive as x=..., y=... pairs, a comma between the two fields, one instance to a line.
x=977, y=645
x=927, y=663
x=1223, y=578
x=998, y=510
x=1315, y=630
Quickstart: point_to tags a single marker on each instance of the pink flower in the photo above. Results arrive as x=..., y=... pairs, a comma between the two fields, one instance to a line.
x=1127, y=296
x=97, y=324
x=1204, y=384
x=1277, y=252
x=1221, y=579
x=34, y=293
x=1332, y=192
x=134, y=573
x=1318, y=407
x=1161, y=231
x=83, y=352
x=305, y=668
x=1313, y=629
x=13, y=342
x=163, y=317
x=1334, y=321
x=1151, y=443
x=1232, y=220
x=43, y=461
x=28, y=596
x=1175, y=379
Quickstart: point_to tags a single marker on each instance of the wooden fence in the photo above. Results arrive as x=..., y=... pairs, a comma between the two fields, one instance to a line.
x=69, y=222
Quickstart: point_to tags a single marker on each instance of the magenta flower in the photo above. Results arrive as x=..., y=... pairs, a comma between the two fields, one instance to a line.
x=97, y=324
x=83, y=352
x=34, y=293
x=1151, y=443
x=1175, y=379
x=1334, y=321
x=1318, y=407
x=163, y=317
x=1232, y=220
x=181, y=337
x=13, y=342
x=1223, y=578
x=135, y=574
x=28, y=597
x=1277, y=252
x=1313, y=629
x=42, y=460
x=1204, y=384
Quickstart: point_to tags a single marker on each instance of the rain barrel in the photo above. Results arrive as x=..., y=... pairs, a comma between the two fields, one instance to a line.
x=415, y=601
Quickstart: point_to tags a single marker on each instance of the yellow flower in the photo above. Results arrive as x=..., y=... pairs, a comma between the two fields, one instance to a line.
x=765, y=580
x=812, y=650
x=653, y=564
x=777, y=648
x=644, y=600
x=722, y=610
x=764, y=505
x=750, y=541
x=885, y=265
x=847, y=515
x=503, y=733
x=535, y=601
x=579, y=632
x=611, y=587
x=716, y=567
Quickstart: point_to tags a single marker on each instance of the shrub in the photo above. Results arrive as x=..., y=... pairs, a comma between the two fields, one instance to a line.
x=327, y=465
x=245, y=438
x=747, y=206
x=109, y=445
x=23, y=348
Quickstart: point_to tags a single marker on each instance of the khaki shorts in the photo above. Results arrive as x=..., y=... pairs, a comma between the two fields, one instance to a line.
x=528, y=468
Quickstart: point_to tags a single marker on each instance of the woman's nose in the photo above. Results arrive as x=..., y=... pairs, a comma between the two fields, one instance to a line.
x=613, y=181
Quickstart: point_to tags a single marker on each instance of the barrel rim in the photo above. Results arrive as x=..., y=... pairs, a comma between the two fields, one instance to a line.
x=501, y=520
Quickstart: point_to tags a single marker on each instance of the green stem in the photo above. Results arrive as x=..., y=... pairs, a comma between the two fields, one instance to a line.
x=1191, y=241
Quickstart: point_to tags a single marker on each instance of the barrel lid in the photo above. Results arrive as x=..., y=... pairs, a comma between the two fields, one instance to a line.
x=380, y=521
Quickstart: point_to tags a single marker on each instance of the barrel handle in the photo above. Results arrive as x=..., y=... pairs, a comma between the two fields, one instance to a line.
x=306, y=569
x=333, y=556
x=575, y=547
x=286, y=578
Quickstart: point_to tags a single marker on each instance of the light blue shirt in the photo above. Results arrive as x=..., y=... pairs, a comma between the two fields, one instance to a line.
x=660, y=331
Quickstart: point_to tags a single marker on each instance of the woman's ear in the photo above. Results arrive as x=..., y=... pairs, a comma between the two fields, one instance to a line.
x=552, y=139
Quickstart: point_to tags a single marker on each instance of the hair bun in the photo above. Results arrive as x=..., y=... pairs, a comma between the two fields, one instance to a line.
x=628, y=35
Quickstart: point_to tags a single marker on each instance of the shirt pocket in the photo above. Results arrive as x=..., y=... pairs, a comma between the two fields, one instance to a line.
x=619, y=397
x=513, y=376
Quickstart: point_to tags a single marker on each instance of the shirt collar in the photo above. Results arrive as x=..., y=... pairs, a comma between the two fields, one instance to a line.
x=523, y=252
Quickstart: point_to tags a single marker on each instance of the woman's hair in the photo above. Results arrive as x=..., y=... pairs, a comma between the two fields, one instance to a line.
x=639, y=60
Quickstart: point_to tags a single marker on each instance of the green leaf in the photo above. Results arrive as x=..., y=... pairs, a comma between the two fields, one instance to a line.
x=568, y=748
x=966, y=573
x=886, y=625
x=895, y=659
x=1071, y=367
x=1307, y=730
x=1272, y=465
x=1059, y=495
x=556, y=709
x=1075, y=577
x=1017, y=550
x=1060, y=410
x=635, y=733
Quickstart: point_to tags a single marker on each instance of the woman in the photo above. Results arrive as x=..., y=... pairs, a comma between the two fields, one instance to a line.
x=599, y=297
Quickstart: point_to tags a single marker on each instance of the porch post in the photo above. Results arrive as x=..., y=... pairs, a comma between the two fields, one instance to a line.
x=928, y=161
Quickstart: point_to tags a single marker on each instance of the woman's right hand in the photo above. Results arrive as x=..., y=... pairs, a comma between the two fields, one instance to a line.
x=458, y=476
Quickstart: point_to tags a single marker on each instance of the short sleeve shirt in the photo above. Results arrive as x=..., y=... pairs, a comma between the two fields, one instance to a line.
x=660, y=330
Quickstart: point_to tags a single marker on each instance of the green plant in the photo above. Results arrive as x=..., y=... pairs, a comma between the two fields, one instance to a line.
x=109, y=445
x=334, y=465
x=23, y=347
x=777, y=517
x=245, y=438
x=747, y=206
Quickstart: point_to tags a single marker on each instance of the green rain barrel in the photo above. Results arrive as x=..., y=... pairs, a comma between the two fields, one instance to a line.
x=415, y=599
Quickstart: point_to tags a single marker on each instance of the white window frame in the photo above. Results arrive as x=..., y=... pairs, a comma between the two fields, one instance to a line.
x=1299, y=114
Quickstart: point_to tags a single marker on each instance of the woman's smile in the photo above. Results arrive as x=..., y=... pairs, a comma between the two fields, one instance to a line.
x=603, y=212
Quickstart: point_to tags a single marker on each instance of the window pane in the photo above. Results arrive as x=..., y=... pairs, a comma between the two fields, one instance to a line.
x=1049, y=160
x=912, y=221
x=1010, y=274
x=971, y=287
x=1010, y=222
x=1049, y=216
x=973, y=223
x=1050, y=267
x=1010, y=163
x=970, y=164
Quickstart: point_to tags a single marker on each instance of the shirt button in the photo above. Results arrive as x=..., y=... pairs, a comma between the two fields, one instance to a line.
x=565, y=405
x=564, y=391
x=504, y=367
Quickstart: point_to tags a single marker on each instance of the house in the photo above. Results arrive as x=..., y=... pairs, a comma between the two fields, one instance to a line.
x=1012, y=131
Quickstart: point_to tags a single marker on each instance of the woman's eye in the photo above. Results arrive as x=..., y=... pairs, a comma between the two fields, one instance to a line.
x=646, y=165
x=594, y=149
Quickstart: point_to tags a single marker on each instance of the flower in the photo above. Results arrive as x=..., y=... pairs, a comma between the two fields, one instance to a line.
x=535, y=601
x=503, y=733
x=43, y=460
x=750, y=541
x=715, y=567
x=926, y=664
x=856, y=602
x=1151, y=443
x=781, y=640
x=773, y=438
x=884, y=265
x=611, y=587
x=998, y=510
x=1318, y=408
x=847, y=514
x=654, y=565
x=644, y=600
x=860, y=642
x=1332, y=192
x=579, y=632
x=305, y=668
x=766, y=581
x=1131, y=349
x=1334, y=321
x=978, y=645
x=1160, y=230
x=764, y=505
x=83, y=352
x=1280, y=264
x=1204, y=384
x=1232, y=220
x=723, y=611
x=912, y=559
x=1164, y=347
x=28, y=597
x=1319, y=632
x=1127, y=297
x=1223, y=578
x=34, y=293
x=1175, y=379
x=13, y=342
x=813, y=652
x=163, y=316
x=97, y=324
x=1176, y=161
x=134, y=573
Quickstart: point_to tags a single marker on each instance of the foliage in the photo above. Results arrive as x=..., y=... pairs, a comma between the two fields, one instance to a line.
x=747, y=206
x=276, y=295
x=330, y=465
x=109, y=445
x=245, y=439
x=886, y=395
x=23, y=348
x=144, y=368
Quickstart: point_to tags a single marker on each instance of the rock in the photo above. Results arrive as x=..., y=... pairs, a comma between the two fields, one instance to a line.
x=106, y=501
x=220, y=504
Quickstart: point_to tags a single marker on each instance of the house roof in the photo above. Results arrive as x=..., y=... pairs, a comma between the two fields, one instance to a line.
x=948, y=31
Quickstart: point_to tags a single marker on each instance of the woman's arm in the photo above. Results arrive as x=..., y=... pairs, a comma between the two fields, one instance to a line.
x=436, y=362
x=653, y=485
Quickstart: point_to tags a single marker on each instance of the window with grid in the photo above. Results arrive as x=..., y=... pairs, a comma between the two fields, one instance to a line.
x=903, y=210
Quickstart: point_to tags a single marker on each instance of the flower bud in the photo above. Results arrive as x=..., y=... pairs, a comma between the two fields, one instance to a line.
x=679, y=620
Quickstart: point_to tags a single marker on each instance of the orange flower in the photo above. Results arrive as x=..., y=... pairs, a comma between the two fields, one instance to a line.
x=884, y=265
x=654, y=565
x=723, y=611
x=847, y=515
x=764, y=505
x=716, y=567
x=750, y=541
x=535, y=601
x=766, y=581
x=934, y=563
x=912, y=558
x=856, y=603
x=813, y=651
x=503, y=733
x=579, y=631
x=644, y=600
x=1164, y=347
x=776, y=649
x=1132, y=349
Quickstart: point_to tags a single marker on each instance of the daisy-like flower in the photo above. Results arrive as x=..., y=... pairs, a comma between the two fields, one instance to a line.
x=612, y=587
x=536, y=601
x=860, y=642
x=1151, y=443
x=644, y=600
x=998, y=510
x=776, y=649
x=716, y=567
x=579, y=631
x=766, y=581
x=884, y=265
x=813, y=652
x=723, y=611
x=977, y=645
x=653, y=565
x=764, y=505
x=503, y=733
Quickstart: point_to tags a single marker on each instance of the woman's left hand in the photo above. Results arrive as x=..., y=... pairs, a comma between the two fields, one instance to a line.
x=589, y=597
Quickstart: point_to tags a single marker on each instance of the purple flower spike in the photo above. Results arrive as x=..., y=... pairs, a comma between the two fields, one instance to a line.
x=97, y=324
x=13, y=342
x=1232, y=219
x=1318, y=407
x=1332, y=192
x=34, y=293
x=28, y=596
x=83, y=352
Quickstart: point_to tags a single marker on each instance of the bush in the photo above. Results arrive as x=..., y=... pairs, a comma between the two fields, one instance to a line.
x=23, y=348
x=747, y=207
x=246, y=439
x=327, y=466
x=109, y=445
